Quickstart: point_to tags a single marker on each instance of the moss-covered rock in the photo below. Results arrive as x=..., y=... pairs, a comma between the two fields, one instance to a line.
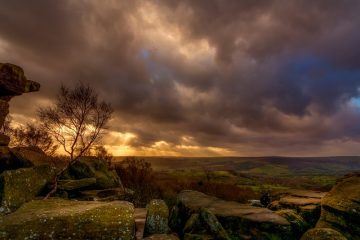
x=66, y=219
x=322, y=234
x=22, y=185
x=340, y=208
x=162, y=237
x=91, y=167
x=191, y=236
x=298, y=224
x=235, y=218
x=157, y=218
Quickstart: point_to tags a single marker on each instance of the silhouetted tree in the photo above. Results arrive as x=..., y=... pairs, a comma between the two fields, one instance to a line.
x=76, y=121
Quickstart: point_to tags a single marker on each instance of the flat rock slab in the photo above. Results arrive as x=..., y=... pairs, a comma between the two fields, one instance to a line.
x=196, y=200
x=234, y=217
x=66, y=219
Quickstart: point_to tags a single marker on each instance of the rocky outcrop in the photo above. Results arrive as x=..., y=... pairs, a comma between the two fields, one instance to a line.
x=322, y=234
x=340, y=208
x=237, y=219
x=22, y=185
x=306, y=203
x=298, y=224
x=92, y=167
x=157, y=218
x=66, y=219
x=12, y=83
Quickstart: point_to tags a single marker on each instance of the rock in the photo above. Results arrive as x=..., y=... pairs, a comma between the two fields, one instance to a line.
x=213, y=226
x=304, y=202
x=31, y=156
x=22, y=185
x=12, y=83
x=340, y=208
x=156, y=218
x=322, y=234
x=92, y=167
x=298, y=224
x=66, y=219
x=234, y=217
x=69, y=185
x=162, y=237
x=9, y=162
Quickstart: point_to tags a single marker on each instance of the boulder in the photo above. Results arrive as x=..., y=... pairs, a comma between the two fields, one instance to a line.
x=162, y=237
x=298, y=224
x=322, y=234
x=66, y=219
x=340, y=208
x=234, y=217
x=31, y=156
x=204, y=224
x=156, y=218
x=13, y=83
x=22, y=185
x=305, y=202
x=7, y=162
x=92, y=167
x=190, y=236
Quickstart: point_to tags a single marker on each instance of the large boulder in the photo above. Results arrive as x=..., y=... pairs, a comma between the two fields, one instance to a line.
x=31, y=156
x=340, y=208
x=298, y=224
x=66, y=219
x=22, y=185
x=157, y=218
x=322, y=234
x=92, y=167
x=305, y=202
x=205, y=225
x=13, y=83
x=235, y=218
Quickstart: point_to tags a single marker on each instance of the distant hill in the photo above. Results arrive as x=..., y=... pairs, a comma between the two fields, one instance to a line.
x=259, y=165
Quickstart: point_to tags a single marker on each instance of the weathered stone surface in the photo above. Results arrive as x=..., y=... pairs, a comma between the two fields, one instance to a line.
x=322, y=234
x=340, y=208
x=235, y=218
x=12, y=83
x=91, y=167
x=22, y=185
x=66, y=219
x=162, y=237
x=157, y=218
x=190, y=236
x=298, y=224
x=32, y=156
x=79, y=184
x=305, y=202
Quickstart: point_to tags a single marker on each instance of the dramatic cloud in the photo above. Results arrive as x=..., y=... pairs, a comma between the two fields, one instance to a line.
x=241, y=77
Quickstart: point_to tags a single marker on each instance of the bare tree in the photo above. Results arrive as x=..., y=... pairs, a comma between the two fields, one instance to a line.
x=76, y=121
x=33, y=136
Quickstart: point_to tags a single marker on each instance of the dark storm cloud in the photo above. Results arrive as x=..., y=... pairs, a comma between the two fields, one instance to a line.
x=282, y=76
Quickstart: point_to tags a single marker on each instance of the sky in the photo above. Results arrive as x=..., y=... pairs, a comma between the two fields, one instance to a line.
x=198, y=77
